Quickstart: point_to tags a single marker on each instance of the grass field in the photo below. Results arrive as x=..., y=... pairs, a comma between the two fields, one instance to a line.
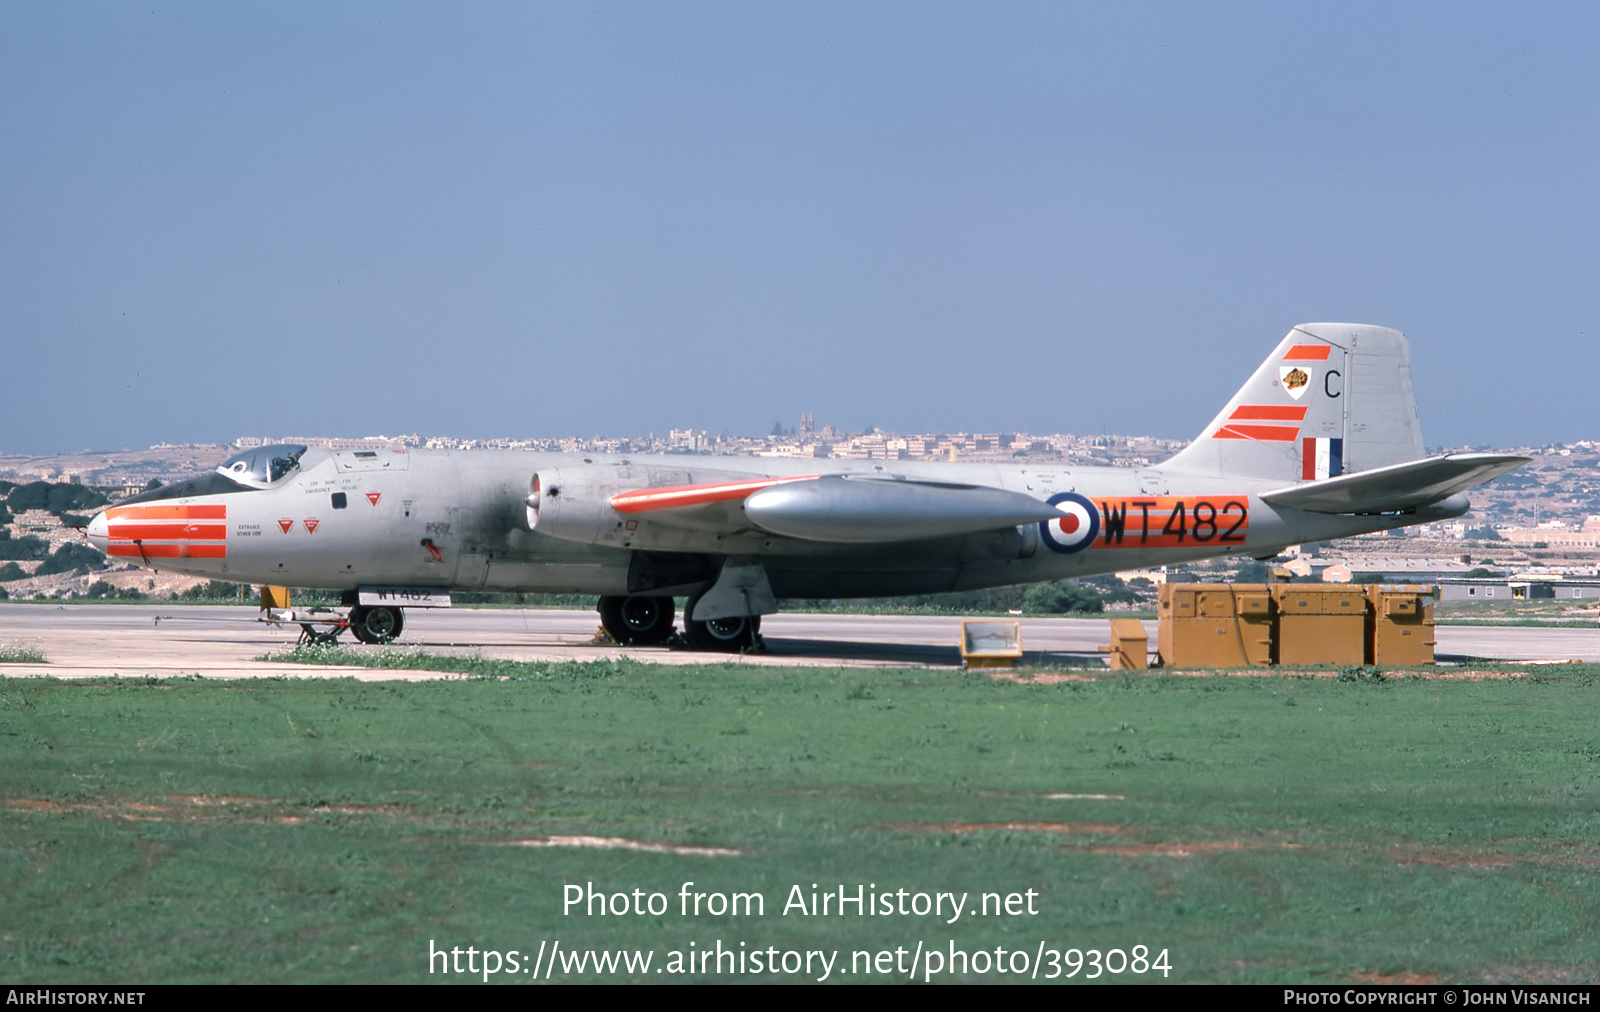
x=1266, y=829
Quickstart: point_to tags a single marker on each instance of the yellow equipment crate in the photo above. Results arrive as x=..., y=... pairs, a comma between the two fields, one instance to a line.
x=1214, y=625
x=1321, y=624
x=1400, y=626
x=1130, y=645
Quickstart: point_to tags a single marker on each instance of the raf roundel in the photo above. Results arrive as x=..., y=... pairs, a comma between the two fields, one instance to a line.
x=1077, y=527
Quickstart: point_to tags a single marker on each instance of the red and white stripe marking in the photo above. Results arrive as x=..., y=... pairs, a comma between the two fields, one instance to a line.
x=1252, y=421
x=1318, y=459
x=677, y=496
x=195, y=531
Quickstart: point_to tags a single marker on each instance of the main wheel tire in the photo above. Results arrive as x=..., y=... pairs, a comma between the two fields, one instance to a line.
x=376, y=625
x=636, y=620
x=725, y=635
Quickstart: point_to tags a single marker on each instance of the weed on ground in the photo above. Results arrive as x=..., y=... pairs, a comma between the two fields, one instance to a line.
x=22, y=653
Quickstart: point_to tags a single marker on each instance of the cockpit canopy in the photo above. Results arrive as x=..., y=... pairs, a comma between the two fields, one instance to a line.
x=263, y=465
x=251, y=470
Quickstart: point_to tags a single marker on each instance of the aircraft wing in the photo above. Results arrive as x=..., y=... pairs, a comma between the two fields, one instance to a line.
x=1398, y=486
x=856, y=509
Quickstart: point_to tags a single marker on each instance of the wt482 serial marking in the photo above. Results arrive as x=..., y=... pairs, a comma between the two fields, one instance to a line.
x=1164, y=521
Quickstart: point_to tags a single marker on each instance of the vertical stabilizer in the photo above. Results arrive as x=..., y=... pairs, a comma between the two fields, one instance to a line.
x=1331, y=399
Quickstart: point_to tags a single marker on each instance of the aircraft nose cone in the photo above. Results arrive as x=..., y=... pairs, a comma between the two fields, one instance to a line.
x=99, y=531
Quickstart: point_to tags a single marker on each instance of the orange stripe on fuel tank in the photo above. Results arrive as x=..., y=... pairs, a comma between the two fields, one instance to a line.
x=1308, y=353
x=674, y=496
x=168, y=532
x=193, y=511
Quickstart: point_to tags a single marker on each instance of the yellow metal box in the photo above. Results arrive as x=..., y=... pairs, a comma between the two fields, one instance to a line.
x=1321, y=624
x=1213, y=625
x=1130, y=645
x=1400, y=626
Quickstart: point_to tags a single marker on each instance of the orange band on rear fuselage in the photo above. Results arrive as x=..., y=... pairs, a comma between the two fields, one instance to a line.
x=1173, y=521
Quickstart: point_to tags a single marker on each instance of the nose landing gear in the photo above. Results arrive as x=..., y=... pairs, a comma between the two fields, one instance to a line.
x=728, y=635
x=376, y=625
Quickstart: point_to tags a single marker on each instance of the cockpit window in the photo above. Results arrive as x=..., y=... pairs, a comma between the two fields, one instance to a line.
x=264, y=465
x=243, y=472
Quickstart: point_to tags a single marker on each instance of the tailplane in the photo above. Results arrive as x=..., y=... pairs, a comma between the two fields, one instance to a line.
x=1398, y=487
x=1331, y=399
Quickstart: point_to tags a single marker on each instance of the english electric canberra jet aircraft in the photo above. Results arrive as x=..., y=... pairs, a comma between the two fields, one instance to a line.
x=1322, y=442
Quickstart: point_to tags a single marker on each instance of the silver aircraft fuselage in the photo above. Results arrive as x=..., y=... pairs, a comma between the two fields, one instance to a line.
x=459, y=520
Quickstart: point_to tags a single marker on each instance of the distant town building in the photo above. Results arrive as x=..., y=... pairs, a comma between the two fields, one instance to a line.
x=1517, y=588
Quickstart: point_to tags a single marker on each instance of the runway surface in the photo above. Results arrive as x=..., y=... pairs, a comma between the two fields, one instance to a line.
x=164, y=641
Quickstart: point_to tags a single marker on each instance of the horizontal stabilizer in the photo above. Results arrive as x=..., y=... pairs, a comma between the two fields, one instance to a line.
x=1398, y=486
x=868, y=509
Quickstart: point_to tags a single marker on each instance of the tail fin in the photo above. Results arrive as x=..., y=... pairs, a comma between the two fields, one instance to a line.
x=1331, y=399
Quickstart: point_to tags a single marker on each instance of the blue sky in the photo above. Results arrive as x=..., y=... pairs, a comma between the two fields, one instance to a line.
x=549, y=219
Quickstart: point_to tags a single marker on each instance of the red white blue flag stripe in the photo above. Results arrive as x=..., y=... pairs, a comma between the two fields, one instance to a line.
x=1321, y=458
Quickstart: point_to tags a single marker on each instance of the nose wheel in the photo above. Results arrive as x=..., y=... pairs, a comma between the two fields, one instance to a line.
x=637, y=621
x=376, y=625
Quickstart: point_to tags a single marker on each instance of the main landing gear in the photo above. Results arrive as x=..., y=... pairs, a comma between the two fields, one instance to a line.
x=729, y=635
x=638, y=621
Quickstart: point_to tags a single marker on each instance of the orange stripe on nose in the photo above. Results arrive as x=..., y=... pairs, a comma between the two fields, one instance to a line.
x=167, y=551
x=168, y=532
x=193, y=511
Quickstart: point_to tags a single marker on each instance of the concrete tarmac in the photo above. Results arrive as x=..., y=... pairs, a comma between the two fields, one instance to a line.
x=170, y=640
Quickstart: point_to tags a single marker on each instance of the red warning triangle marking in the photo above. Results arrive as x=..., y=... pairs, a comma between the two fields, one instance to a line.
x=311, y=526
x=286, y=524
x=373, y=497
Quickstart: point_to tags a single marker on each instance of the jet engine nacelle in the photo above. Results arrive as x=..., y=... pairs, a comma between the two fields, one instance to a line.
x=572, y=507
